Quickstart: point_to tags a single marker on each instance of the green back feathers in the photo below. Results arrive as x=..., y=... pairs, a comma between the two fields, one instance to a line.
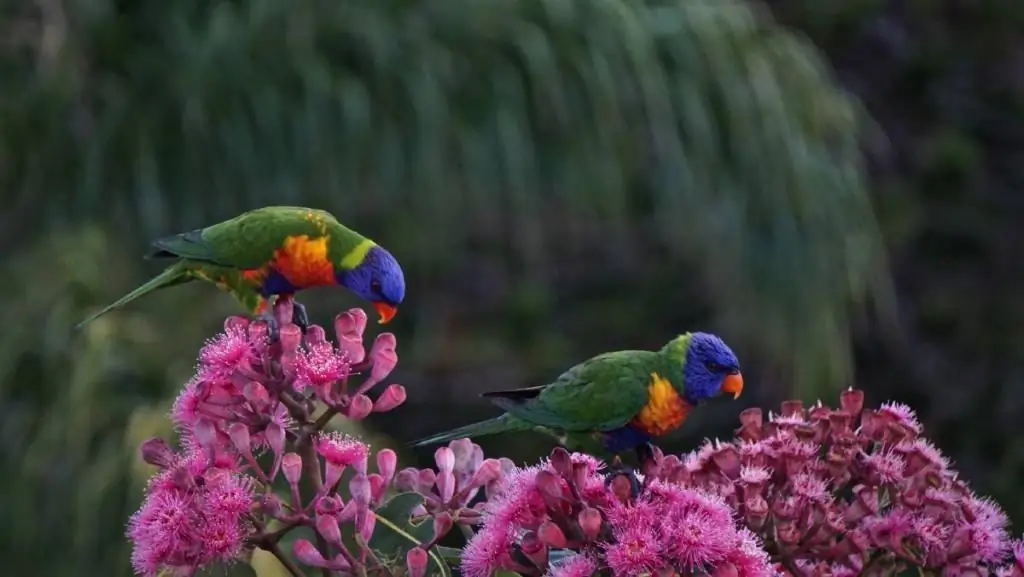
x=249, y=240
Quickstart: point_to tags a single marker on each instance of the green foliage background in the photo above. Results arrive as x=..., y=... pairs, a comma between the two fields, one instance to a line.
x=558, y=178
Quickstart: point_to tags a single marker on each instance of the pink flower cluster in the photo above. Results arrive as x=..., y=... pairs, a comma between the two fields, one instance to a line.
x=849, y=491
x=253, y=396
x=562, y=508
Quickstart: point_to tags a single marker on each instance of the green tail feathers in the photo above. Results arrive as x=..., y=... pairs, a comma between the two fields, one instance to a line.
x=500, y=424
x=174, y=274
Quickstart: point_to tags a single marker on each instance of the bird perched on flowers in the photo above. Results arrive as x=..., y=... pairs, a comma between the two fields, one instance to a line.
x=622, y=399
x=277, y=251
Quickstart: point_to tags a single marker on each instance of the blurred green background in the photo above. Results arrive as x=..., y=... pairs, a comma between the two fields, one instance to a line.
x=832, y=186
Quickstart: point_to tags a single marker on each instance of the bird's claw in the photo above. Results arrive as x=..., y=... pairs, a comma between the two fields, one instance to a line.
x=618, y=469
x=299, y=316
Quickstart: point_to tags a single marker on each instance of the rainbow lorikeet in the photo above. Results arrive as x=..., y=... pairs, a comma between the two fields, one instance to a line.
x=277, y=251
x=622, y=399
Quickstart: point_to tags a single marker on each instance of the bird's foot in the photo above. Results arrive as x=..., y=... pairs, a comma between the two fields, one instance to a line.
x=622, y=480
x=299, y=316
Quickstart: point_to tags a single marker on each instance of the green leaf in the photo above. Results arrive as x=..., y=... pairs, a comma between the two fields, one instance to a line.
x=450, y=554
x=395, y=533
x=505, y=573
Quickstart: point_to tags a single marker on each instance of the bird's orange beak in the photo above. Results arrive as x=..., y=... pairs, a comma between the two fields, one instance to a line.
x=386, y=311
x=733, y=383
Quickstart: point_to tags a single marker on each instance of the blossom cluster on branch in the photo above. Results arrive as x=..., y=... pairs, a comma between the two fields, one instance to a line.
x=808, y=491
x=850, y=491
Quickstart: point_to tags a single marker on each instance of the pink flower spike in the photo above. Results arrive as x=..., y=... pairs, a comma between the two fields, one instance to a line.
x=360, y=408
x=305, y=552
x=416, y=562
x=156, y=452
x=387, y=461
x=328, y=527
x=392, y=397
x=349, y=327
x=444, y=458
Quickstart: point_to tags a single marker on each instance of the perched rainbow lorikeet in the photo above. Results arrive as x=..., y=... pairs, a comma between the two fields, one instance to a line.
x=622, y=399
x=277, y=250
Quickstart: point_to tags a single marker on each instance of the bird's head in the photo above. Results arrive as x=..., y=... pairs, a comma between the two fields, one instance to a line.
x=378, y=279
x=711, y=369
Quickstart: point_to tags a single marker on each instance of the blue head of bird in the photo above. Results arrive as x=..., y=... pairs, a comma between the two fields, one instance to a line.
x=711, y=369
x=378, y=279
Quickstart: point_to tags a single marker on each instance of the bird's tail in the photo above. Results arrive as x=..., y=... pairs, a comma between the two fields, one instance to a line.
x=500, y=424
x=175, y=274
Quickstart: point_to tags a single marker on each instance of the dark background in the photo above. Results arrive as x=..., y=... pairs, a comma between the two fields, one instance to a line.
x=557, y=178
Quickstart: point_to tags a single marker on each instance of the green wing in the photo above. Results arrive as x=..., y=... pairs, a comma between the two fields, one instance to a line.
x=599, y=394
x=250, y=239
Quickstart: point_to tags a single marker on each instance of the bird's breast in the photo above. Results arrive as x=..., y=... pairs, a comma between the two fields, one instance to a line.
x=665, y=411
x=303, y=261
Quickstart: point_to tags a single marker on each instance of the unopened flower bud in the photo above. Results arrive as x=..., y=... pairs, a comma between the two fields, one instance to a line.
x=407, y=479
x=270, y=504
x=549, y=484
x=442, y=524
x=590, y=522
x=728, y=461
x=328, y=527
x=751, y=421
x=328, y=505
x=234, y=323
x=377, y=487
x=291, y=465
x=290, y=338
x=534, y=549
x=383, y=356
x=445, y=486
x=755, y=510
x=156, y=452
x=316, y=336
x=387, y=461
x=416, y=562
x=205, y=432
x=852, y=401
x=490, y=470
x=725, y=569
x=366, y=521
x=308, y=554
x=360, y=489
x=444, y=458
x=551, y=535
x=239, y=434
x=361, y=407
x=349, y=327
x=392, y=397
x=561, y=462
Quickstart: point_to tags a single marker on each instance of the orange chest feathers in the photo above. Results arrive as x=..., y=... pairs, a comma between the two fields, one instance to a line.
x=303, y=261
x=665, y=410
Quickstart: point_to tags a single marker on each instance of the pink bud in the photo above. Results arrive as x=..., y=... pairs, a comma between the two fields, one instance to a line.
x=463, y=451
x=852, y=401
x=377, y=487
x=284, y=309
x=383, y=356
x=274, y=433
x=328, y=505
x=349, y=327
x=426, y=479
x=490, y=470
x=360, y=489
x=751, y=421
x=590, y=522
x=727, y=458
x=393, y=396
x=366, y=524
x=239, y=434
x=561, y=462
x=551, y=535
x=407, y=479
x=387, y=461
x=442, y=524
x=256, y=394
x=793, y=408
x=328, y=527
x=445, y=486
x=756, y=510
x=156, y=452
x=444, y=457
x=549, y=484
x=361, y=407
x=259, y=331
x=235, y=322
x=305, y=552
x=290, y=338
x=725, y=569
x=316, y=336
x=270, y=504
x=291, y=464
x=534, y=549
x=205, y=432
x=416, y=561
x=348, y=512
